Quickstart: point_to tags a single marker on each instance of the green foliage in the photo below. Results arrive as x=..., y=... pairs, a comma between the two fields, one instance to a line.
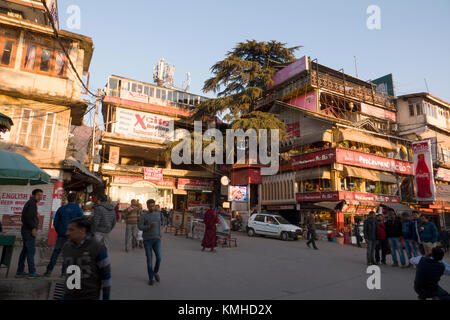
x=240, y=80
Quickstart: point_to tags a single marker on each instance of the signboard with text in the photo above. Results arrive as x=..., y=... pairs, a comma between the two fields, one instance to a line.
x=423, y=171
x=290, y=71
x=196, y=184
x=144, y=125
x=153, y=174
x=308, y=101
x=131, y=180
x=345, y=195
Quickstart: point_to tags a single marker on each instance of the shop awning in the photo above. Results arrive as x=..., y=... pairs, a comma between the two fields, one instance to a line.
x=332, y=205
x=311, y=174
x=397, y=207
x=358, y=136
x=369, y=174
x=15, y=169
x=91, y=178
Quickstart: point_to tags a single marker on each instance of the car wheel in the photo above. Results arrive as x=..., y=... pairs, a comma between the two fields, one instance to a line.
x=284, y=236
x=251, y=232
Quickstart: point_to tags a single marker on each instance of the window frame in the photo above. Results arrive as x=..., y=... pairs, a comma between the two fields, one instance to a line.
x=19, y=129
x=37, y=62
x=12, y=59
x=30, y=123
x=44, y=129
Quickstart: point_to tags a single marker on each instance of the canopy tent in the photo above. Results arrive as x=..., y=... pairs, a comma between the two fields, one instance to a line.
x=397, y=207
x=15, y=169
x=5, y=122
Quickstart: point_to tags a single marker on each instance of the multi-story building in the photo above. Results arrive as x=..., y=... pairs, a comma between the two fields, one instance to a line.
x=342, y=157
x=422, y=116
x=140, y=122
x=40, y=91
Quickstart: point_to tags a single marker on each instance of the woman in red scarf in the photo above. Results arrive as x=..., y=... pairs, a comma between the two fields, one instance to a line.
x=210, y=220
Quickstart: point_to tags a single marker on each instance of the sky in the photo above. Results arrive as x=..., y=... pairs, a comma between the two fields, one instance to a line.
x=413, y=42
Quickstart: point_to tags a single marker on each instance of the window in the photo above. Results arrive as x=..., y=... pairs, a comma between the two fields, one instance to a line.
x=60, y=63
x=419, y=109
x=46, y=56
x=113, y=84
x=158, y=93
x=411, y=110
x=163, y=94
x=271, y=220
x=146, y=90
x=170, y=95
x=259, y=218
x=7, y=52
x=30, y=58
x=175, y=96
x=36, y=129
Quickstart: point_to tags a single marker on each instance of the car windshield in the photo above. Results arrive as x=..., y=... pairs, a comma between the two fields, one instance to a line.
x=282, y=220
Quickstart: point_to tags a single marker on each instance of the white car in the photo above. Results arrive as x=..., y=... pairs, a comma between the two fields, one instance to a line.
x=272, y=225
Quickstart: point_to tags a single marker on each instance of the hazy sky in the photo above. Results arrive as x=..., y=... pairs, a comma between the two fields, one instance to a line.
x=130, y=36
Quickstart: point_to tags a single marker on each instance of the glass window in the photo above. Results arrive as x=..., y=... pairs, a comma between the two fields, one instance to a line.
x=170, y=96
x=139, y=88
x=37, y=125
x=152, y=92
x=113, y=84
x=191, y=100
x=134, y=87
x=158, y=93
x=125, y=85
x=419, y=110
x=259, y=218
x=163, y=94
x=48, y=131
x=45, y=60
x=411, y=110
x=175, y=96
x=60, y=63
x=271, y=220
x=30, y=58
x=24, y=126
x=146, y=90
x=7, y=52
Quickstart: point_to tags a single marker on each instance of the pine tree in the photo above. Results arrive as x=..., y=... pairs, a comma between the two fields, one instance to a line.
x=240, y=80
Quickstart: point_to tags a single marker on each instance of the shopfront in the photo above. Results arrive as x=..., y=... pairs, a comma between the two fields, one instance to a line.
x=194, y=194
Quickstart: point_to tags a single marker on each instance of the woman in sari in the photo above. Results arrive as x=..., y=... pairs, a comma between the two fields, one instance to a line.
x=210, y=220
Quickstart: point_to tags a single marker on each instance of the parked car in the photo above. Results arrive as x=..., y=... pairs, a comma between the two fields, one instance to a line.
x=272, y=225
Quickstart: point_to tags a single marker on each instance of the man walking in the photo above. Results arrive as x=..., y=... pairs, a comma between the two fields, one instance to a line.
x=63, y=216
x=311, y=225
x=394, y=234
x=408, y=237
x=428, y=235
x=370, y=235
x=30, y=224
x=104, y=219
x=357, y=233
x=131, y=216
x=150, y=224
x=84, y=251
x=381, y=240
x=429, y=273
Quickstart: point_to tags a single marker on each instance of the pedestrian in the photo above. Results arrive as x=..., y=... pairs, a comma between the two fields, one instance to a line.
x=428, y=235
x=357, y=233
x=381, y=241
x=29, y=232
x=116, y=210
x=210, y=220
x=91, y=256
x=416, y=227
x=131, y=216
x=394, y=234
x=444, y=240
x=408, y=237
x=150, y=224
x=311, y=225
x=170, y=217
x=104, y=219
x=370, y=235
x=428, y=274
x=63, y=216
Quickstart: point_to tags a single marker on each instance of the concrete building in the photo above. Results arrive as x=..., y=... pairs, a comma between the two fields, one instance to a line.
x=141, y=119
x=422, y=116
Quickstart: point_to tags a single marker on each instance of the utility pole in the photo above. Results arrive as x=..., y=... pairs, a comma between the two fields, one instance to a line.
x=356, y=67
x=94, y=129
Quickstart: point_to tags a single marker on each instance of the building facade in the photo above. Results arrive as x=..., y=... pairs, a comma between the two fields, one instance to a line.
x=141, y=121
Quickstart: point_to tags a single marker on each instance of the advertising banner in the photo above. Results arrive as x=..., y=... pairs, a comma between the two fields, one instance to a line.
x=188, y=221
x=196, y=184
x=114, y=154
x=423, y=171
x=144, y=125
x=378, y=112
x=131, y=180
x=239, y=194
x=198, y=230
x=314, y=159
x=153, y=174
x=345, y=195
x=290, y=71
x=178, y=217
x=308, y=101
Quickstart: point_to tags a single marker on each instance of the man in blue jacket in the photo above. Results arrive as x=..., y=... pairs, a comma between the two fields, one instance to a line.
x=409, y=237
x=62, y=218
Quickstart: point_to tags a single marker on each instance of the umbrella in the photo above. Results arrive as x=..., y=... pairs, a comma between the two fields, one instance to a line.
x=5, y=122
x=17, y=170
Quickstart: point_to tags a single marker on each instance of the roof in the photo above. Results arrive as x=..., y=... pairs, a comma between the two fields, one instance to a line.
x=425, y=95
x=71, y=162
x=397, y=207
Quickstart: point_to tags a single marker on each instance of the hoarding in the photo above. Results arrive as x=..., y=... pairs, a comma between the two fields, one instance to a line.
x=307, y=101
x=131, y=180
x=385, y=85
x=378, y=112
x=290, y=71
x=196, y=184
x=144, y=125
x=423, y=171
x=153, y=174
x=238, y=194
x=345, y=195
x=114, y=154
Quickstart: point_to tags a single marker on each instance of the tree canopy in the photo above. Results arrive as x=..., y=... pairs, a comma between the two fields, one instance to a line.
x=239, y=81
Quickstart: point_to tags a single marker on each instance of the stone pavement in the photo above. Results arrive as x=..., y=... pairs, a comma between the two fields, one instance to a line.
x=259, y=268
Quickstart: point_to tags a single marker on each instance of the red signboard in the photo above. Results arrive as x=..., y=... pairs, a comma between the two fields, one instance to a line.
x=153, y=174
x=378, y=112
x=345, y=195
x=58, y=191
x=308, y=101
x=350, y=157
x=290, y=71
x=195, y=184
